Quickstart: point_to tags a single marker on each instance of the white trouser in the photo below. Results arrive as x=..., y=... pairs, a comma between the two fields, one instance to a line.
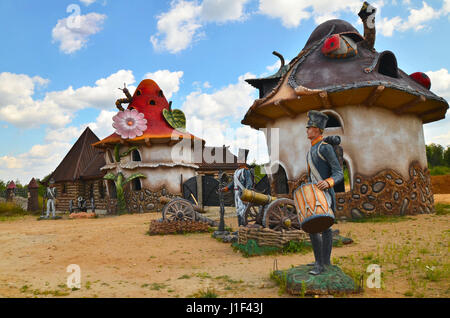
x=50, y=206
x=240, y=206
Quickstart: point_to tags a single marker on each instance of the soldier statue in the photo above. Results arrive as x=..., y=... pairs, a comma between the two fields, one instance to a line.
x=50, y=195
x=242, y=179
x=324, y=170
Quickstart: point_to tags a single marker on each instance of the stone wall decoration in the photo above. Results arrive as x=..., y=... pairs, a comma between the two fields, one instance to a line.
x=387, y=193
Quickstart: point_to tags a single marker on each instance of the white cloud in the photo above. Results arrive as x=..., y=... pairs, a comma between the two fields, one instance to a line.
x=102, y=126
x=209, y=116
x=388, y=26
x=177, y=26
x=292, y=12
x=416, y=20
x=56, y=109
x=232, y=100
x=168, y=81
x=417, y=17
x=182, y=24
x=87, y=2
x=223, y=10
x=440, y=82
x=37, y=162
x=73, y=32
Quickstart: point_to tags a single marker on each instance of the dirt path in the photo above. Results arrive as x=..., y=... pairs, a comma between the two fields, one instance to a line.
x=118, y=259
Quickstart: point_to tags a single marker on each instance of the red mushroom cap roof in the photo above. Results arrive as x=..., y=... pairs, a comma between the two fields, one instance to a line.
x=149, y=100
x=11, y=185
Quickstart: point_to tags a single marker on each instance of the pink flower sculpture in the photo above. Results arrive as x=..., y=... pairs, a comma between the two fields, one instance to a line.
x=129, y=123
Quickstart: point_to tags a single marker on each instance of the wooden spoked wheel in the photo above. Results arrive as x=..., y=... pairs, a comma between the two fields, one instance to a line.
x=253, y=214
x=281, y=215
x=178, y=210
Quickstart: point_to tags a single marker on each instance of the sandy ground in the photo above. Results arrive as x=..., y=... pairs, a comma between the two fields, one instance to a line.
x=118, y=259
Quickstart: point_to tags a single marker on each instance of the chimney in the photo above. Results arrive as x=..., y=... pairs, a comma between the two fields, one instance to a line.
x=367, y=15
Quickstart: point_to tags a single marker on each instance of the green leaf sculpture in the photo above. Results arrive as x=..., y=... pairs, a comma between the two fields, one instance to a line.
x=175, y=118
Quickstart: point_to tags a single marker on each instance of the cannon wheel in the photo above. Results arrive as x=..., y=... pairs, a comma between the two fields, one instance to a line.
x=253, y=214
x=281, y=215
x=178, y=209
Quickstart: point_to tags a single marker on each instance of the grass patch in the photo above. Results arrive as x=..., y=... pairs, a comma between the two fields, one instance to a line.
x=8, y=209
x=206, y=293
x=203, y=275
x=281, y=280
x=227, y=279
x=442, y=209
x=157, y=286
x=439, y=170
x=382, y=219
x=185, y=276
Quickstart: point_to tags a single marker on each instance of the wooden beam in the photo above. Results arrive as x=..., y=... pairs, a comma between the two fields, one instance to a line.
x=374, y=95
x=262, y=117
x=325, y=100
x=410, y=104
x=147, y=142
x=286, y=109
x=431, y=111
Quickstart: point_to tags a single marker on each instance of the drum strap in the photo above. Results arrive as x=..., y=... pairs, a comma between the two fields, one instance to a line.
x=318, y=178
x=313, y=168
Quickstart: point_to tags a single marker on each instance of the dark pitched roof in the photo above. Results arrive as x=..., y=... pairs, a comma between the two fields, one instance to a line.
x=82, y=160
x=33, y=184
x=93, y=169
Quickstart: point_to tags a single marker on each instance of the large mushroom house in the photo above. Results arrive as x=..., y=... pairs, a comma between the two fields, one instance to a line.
x=139, y=153
x=376, y=109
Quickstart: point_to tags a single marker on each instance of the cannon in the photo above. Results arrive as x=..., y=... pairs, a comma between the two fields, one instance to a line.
x=270, y=211
x=179, y=209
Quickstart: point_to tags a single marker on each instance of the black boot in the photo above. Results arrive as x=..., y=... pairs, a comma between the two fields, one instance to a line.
x=316, y=241
x=327, y=245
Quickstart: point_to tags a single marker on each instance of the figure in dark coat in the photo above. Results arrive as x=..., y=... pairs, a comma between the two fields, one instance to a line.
x=325, y=162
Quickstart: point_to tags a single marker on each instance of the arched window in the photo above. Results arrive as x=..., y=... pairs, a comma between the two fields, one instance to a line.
x=136, y=156
x=281, y=181
x=112, y=189
x=333, y=121
x=110, y=156
x=387, y=64
x=136, y=184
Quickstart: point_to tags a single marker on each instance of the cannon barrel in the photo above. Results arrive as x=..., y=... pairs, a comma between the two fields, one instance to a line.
x=256, y=197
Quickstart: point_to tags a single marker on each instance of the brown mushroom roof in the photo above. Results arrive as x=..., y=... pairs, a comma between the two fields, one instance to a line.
x=315, y=81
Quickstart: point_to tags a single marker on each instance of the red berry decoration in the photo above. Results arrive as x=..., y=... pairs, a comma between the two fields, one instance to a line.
x=422, y=79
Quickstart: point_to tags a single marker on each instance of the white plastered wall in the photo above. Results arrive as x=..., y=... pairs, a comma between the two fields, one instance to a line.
x=373, y=139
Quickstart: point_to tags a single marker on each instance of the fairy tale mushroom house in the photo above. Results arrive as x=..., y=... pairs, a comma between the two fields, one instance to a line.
x=377, y=109
x=139, y=153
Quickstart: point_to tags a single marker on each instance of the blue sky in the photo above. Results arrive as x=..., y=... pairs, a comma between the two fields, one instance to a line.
x=61, y=63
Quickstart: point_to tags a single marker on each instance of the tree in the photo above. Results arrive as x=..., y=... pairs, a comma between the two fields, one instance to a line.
x=435, y=155
x=119, y=179
x=120, y=182
x=447, y=156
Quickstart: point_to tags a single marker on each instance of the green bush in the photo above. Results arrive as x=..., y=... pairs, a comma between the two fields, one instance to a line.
x=439, y=170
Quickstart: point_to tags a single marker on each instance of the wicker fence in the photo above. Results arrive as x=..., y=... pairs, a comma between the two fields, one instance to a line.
x=268, y=237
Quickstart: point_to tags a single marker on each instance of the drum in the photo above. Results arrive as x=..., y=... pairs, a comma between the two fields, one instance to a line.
x=312, y=207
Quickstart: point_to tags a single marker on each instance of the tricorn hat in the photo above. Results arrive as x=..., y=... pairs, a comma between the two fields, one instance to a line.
x=317, y=119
